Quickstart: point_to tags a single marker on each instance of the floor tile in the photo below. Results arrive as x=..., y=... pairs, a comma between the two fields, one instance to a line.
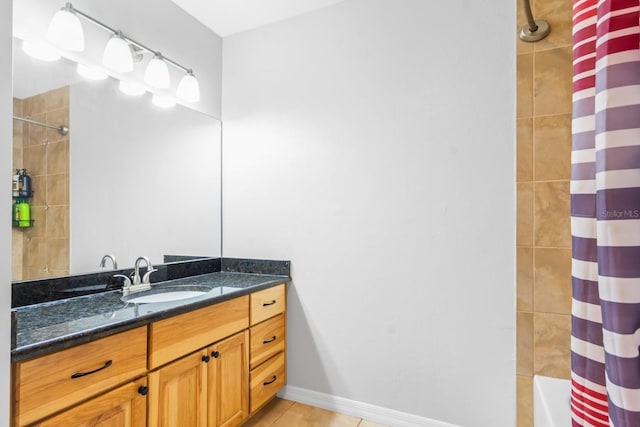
x=301, y=415
x=365, y=423
x=270, y=413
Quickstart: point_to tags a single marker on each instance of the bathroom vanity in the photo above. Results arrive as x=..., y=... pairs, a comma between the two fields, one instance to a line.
x=208, y=360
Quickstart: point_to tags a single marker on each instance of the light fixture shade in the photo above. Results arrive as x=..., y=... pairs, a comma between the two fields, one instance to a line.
x=157, y=73
x=163, y=101
x=117, y=54
x=131, y=88
x=91, y=73
x=65, y=30
x=188, y=89
x=40, y=50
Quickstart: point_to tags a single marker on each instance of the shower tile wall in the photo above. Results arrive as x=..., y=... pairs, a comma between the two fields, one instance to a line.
x=543, y=237
x=45, y=155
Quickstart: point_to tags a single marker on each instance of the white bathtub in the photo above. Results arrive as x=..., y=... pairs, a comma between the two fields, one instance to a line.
x=551, y=402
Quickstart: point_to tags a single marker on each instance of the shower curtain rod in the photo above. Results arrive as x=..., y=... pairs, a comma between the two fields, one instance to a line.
x=62, y=129
x=534, y=30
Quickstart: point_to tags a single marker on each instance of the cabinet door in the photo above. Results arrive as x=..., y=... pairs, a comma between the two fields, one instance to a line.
x=178, y=393
x=229, y=381
x=123, y=407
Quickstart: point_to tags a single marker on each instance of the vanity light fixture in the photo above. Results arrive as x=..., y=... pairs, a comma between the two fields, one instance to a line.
x=91, y=73
x=157, y=73
x=117, y=54
x=65, y=30
x=121, y=51
x=188, y=89
x=40, y=50
x=131, y=88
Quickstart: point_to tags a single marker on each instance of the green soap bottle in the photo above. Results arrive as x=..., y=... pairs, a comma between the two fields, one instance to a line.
x=16, y=213
x=25, y=213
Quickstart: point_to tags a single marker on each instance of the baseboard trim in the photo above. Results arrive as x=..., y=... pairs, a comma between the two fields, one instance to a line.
x=354, y=408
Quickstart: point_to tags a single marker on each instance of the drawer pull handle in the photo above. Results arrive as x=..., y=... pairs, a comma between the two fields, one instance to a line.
x=268, y=341
x=268, y=303
x=215, y=354
x=270, y=382
x=83, y=374
x=206, y=359
x=143, y=390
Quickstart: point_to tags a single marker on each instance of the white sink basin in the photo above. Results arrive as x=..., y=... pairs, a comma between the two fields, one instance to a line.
x=174, y=293
x=162, y=297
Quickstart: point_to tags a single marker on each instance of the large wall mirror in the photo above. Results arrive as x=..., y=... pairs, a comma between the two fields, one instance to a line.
x=128, y=179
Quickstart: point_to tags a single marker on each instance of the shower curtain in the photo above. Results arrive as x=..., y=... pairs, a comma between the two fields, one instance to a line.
x=605, y=214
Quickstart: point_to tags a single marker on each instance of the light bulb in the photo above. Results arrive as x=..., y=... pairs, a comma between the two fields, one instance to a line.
x=117, y=54
x=65, y=30
x=157, y=73
x=131, y=88
x=40, y=50
x=91, y=73
x=163, y=101
x=188, y=89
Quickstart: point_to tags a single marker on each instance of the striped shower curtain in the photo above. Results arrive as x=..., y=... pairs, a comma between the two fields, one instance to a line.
x=605, y=214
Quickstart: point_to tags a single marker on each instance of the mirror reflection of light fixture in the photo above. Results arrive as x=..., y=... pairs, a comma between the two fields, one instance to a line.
x=65, y=30
x=188, y=89
x=91, y=73
x=163, y=101
x=117, y=54
x=157, y=73
x=40, y=50
x=131, y=88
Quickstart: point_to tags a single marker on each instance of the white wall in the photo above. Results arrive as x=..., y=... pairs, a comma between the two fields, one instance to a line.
x=6, y=109
x=372, y=143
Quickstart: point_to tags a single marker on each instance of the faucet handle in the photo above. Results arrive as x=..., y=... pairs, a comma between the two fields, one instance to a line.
x=147, y=275
x=127, y=281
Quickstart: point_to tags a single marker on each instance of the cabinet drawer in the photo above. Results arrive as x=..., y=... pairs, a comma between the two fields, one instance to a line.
x=267, y=339
x=174, y=337
x=266, y=380
x=267, y=303
x=124, y=406
x=56, y=381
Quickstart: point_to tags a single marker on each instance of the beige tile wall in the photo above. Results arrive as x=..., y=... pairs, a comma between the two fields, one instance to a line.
x=45, y=155
x=543, y=236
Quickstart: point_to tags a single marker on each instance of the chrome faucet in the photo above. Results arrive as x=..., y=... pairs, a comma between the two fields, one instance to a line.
x=139, y=284
x=103, y=262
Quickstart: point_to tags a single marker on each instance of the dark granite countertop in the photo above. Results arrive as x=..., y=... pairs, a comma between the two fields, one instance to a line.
x=51, y=326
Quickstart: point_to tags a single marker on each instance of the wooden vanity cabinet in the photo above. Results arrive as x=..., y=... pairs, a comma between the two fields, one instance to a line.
x=208, y=388
x=211, y=367
x=268, y=345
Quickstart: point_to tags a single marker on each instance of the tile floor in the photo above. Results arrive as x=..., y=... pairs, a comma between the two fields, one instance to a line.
x=285, y=413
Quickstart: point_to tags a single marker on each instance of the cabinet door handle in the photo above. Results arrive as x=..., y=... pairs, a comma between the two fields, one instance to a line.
x=215, y=354
x=268, y=303
x=206, y=359
x=83, y=374
x=270, y=382
x=268, y=341
x=143, y=390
